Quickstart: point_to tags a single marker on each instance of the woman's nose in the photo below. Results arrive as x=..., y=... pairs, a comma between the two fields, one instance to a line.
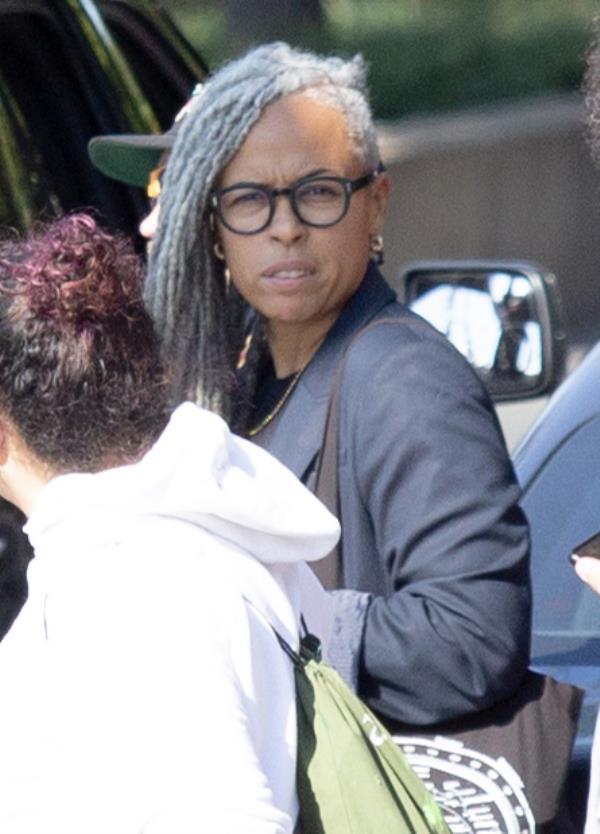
x=286, y=226
x=149, y=224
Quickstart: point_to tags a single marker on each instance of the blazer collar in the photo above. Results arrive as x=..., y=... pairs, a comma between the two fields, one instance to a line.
x=299, y=432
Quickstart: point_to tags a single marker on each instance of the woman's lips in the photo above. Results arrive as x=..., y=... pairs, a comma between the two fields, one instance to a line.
x=289, y=273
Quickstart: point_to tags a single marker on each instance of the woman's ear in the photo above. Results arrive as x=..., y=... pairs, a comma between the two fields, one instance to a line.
x=5, y=435
x=22, y=475
x=6, y=460
x=380, y=195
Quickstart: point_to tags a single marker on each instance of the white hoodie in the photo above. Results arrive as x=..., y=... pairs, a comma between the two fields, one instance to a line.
x=142, y=689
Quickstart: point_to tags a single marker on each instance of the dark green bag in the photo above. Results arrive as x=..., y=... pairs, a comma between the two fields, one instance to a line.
x=351, y=777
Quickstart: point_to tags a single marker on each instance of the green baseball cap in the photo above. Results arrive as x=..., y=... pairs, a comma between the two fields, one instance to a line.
x=130, y=157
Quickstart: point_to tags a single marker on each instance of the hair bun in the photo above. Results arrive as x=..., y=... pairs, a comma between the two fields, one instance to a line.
x=67, y=272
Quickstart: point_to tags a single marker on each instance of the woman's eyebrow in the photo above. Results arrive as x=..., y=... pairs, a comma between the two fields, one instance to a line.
x=317, y=172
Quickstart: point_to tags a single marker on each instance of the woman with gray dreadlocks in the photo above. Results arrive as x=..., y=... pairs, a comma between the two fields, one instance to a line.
x=267, y=238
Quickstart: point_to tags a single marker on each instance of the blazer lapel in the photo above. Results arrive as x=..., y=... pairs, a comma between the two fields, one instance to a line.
x=297, y=438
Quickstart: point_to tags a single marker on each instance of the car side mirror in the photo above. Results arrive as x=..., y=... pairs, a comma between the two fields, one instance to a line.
x=503, y=316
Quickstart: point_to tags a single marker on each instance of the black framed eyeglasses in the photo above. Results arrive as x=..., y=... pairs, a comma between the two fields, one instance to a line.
x=247, y=208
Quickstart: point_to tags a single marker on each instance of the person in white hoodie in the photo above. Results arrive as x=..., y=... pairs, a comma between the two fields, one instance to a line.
x=143, y=690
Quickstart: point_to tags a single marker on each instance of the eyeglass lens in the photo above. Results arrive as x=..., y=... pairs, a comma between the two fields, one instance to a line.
x=317, y=202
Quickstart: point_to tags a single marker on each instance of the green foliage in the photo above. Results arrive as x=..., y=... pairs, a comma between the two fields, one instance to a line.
x=431, y=55
x=424, y=69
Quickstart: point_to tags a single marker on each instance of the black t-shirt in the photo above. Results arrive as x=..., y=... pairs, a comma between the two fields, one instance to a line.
x=270, y=389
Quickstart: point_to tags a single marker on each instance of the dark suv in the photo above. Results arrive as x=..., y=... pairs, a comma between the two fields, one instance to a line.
x=69, y=70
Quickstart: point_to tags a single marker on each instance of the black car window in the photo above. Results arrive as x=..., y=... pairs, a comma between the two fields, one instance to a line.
x=32, y=51
x=168, y=79
x=46, y=71
x=563, y=506
x=25, y=192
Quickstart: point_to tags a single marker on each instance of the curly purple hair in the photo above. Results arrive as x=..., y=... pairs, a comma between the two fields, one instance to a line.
x=80, y=373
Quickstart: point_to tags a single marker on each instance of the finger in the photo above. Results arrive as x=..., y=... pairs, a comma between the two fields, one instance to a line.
x=588, y=570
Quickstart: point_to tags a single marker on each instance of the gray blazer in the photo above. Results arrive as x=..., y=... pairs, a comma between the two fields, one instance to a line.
x=434, y=544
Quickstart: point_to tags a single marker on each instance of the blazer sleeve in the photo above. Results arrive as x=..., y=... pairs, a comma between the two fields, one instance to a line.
x=429, y=503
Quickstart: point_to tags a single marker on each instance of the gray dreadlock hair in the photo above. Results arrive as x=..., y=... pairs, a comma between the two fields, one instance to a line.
x=591, y=89
x=200, y=321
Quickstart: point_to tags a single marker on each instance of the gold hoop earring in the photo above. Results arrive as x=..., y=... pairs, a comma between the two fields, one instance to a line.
x=243, y=357
x=376, y=249
x=218, y=251
x=227, y=276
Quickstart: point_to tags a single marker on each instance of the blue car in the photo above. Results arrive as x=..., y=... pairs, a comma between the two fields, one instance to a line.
x=558, y=465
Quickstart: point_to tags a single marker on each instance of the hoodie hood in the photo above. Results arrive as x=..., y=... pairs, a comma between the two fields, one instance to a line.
x=198, y=473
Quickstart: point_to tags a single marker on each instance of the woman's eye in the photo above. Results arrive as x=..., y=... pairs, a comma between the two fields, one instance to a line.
x=319, y=191
x=245, y=198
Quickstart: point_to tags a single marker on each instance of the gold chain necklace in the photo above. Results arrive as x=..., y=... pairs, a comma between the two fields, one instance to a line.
x=278, y=405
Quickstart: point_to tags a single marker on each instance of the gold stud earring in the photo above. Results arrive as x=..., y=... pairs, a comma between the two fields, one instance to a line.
x=376, y=249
